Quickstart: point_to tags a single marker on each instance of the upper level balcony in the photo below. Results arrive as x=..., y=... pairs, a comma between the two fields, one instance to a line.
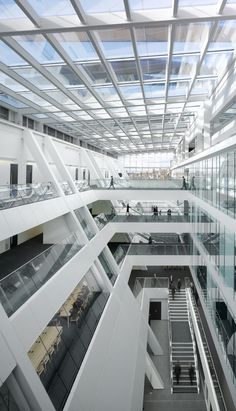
x=18, y=286
x=20, y=194
x=130, y=184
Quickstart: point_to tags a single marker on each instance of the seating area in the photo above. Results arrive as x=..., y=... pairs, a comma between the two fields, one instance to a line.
x=44, y=347
x=75, y=305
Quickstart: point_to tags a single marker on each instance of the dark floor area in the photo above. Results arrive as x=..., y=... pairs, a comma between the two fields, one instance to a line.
x=180, y=330
x=18, y=256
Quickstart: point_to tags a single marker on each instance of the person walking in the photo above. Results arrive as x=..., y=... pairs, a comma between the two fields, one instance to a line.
x=184, y=184
x=193, y=183
x=127, y=209
x=173, y=291
x=196, y=296
x=177, y=371
x=169, y=214
x=192, y=287
x=150, y=240
x=111, y=183
x=179, y=284
x=159, y=212
x=191, y=373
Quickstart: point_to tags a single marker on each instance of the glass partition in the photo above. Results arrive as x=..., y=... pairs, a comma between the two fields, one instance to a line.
x=59, y=351
x=223, y=320
x=21, y=284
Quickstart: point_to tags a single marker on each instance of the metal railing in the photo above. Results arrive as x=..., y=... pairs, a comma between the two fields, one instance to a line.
x=20, y=194
x=207, y=374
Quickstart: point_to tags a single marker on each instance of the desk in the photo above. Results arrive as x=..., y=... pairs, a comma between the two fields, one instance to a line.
x=39, y=352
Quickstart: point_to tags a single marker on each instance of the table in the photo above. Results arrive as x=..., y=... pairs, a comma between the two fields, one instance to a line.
x=39, y=352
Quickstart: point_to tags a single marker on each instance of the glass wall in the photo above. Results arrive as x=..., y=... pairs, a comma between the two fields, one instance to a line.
x=58, y=352
x=213, y=180
x=223, y=320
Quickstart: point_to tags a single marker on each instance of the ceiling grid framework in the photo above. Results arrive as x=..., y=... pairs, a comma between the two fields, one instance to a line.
x=125, y=75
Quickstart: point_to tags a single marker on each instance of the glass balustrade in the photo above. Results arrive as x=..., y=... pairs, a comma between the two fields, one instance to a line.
x=67, y=190
x=83, y=216
x=147, y=215
x=147, y=282
x=121, y=252
x=21, y=194
x=82, y=185
x=21, y=284
x=160, y=249
x=130, y=183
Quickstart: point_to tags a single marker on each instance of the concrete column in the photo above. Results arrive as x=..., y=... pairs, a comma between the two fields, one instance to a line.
x=154, y=343
x=59, y=163
x=41, y=160
x=17, y=393
x=153, y=375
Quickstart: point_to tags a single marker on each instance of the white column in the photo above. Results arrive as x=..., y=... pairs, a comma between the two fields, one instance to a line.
x=153, y=375
x=41, y=160
x=153, y=342
x=49, y=145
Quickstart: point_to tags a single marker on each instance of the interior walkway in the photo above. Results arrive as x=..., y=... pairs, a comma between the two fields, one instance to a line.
x=21, y=254
x=163, y=400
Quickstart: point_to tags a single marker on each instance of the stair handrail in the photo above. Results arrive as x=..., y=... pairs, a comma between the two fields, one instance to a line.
x=194, y=344
x=211, y=389
x=170, y=348
x=201, y=329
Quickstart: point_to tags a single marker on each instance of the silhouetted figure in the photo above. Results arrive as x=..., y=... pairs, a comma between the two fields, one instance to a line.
x=169, y=214
x=155, y=212
x=150, y=240
x=196, y=296
x=177, y=371
x=184, y=184
x=159, y=212
x=112, y=182
x=191, y=373
x=192, y=287
x=193, y=183
x=173, y=291
x=127, y=209
x=179, y=284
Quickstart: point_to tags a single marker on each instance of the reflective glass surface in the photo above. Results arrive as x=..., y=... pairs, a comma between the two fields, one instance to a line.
x=97, y=73
x=77, y=45
x=38, y=47
x=34, y=77
x=125, y=70
x=83, y=49
x=152, y=41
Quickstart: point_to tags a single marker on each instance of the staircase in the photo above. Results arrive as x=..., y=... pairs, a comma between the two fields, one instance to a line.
x=209, y=357
x=182, y=347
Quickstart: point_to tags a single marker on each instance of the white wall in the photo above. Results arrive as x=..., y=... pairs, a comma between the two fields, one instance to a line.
x=27, y=235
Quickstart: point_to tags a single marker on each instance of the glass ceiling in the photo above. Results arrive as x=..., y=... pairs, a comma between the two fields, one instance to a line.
x=125, y=75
